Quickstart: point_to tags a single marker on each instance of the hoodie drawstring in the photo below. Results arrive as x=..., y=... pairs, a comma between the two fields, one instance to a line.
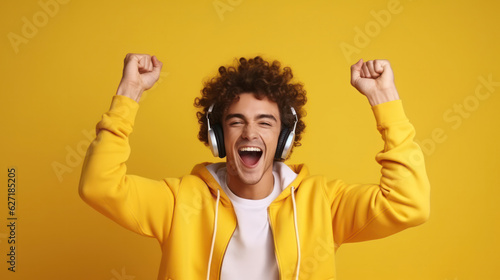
x=296, y=232
x=214, y=234
x=295, y=224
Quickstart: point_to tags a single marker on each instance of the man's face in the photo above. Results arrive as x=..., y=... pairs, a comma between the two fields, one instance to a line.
x=251, y=131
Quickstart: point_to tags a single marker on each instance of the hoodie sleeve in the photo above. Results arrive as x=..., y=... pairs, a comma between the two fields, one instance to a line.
x=401, y=199
x=142, y=205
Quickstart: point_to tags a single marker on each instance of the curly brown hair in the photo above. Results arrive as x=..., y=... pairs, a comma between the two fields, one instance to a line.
x=259, y=77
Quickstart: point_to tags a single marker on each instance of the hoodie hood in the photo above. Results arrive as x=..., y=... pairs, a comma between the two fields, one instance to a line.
x=201, y=171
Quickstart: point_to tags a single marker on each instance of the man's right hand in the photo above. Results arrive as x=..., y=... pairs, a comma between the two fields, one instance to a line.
x=140, y=73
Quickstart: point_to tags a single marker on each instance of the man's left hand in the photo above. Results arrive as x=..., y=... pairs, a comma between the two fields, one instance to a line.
x=375, y=80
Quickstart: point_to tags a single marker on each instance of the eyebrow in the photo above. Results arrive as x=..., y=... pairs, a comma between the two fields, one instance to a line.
x=261, y=116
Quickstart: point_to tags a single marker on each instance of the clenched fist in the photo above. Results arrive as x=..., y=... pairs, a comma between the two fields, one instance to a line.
x=140, y=73
x=375, y=80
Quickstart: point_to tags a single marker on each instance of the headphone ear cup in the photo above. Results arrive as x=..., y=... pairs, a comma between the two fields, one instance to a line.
x=219, y=137
x=282, y=139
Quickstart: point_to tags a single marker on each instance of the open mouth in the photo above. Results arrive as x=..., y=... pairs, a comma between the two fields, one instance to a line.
x=250, y=155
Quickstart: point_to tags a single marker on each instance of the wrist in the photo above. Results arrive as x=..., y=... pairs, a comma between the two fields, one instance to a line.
x=133, y=92
x=382, y=97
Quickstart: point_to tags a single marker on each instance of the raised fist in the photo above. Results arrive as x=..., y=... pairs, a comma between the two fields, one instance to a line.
x=375, y=80
x=140, y=73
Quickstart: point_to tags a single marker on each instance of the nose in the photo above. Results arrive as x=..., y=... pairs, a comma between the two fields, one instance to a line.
x=249, y=132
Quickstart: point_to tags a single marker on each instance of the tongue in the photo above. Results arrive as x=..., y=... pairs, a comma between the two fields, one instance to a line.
x=250, y=158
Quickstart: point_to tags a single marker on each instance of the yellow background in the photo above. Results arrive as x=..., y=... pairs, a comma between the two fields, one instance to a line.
x=56, y=84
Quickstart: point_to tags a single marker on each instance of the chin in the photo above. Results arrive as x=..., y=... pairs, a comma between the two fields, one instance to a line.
x=245, y=174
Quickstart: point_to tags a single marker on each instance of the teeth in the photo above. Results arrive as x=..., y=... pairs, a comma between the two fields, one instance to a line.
x=250, y=149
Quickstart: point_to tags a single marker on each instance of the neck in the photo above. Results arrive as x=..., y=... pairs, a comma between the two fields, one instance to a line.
x=260, y=190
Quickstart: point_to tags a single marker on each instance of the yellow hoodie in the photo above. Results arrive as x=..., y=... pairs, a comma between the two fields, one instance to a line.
x=193, y=219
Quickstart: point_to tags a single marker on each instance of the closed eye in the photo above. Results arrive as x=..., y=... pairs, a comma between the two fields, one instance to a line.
x=235, y=123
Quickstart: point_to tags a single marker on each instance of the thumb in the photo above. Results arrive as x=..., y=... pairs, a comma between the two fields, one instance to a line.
x=355, y=71
x=157, y=65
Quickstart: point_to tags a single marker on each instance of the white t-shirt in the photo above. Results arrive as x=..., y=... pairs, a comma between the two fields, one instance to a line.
x=250, y=252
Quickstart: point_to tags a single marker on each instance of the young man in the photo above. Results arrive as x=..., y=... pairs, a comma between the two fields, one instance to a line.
x=254, y=217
